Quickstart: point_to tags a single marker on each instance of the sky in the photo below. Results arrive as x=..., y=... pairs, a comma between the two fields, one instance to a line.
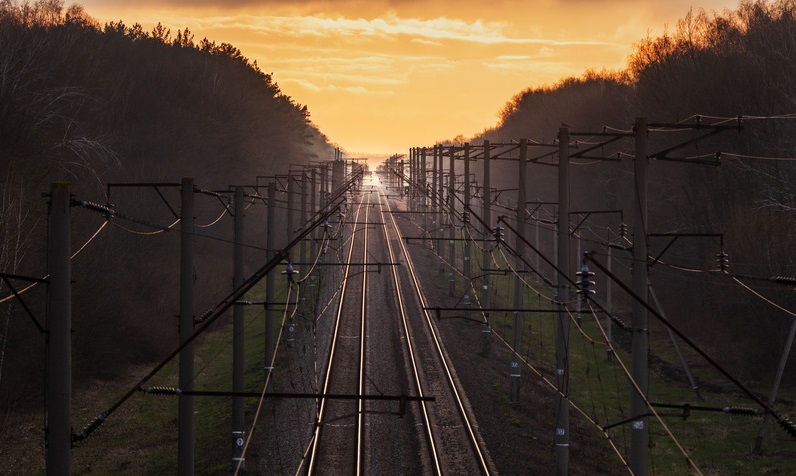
x=381, y=76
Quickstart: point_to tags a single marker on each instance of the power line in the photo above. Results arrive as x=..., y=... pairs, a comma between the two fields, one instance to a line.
x=219, y=310
x=47, y=276
x=784, y=422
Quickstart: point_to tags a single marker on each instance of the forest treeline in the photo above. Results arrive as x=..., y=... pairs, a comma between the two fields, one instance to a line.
x=739, y=62
x=94, y=104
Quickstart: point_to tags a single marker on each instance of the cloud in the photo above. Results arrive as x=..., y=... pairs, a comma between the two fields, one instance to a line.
x=513, y=58
x=355, y=89
x=336, y=89
x=353, y=8
x=353, y=77
x=358, y=90
x=305, y=84
x=422, y=41
x=391, y=28
x=359, y=64
x=530, y=64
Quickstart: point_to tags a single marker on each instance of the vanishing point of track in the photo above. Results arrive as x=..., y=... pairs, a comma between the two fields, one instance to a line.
x=384, y=342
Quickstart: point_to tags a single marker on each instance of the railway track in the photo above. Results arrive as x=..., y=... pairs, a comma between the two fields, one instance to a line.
x=449, y=428
x=337, y=445
x=384, y=344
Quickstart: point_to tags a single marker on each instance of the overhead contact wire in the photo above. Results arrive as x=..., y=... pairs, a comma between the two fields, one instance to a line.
x=47, y=276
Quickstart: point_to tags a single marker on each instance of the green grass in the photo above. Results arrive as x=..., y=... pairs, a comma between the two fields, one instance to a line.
x=150, y=443
x=140, y=437
x=716, y=442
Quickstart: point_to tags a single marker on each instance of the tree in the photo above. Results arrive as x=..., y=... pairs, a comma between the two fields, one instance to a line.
x=161, y=33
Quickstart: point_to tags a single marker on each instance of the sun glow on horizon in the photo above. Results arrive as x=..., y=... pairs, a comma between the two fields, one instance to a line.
x=382, y=77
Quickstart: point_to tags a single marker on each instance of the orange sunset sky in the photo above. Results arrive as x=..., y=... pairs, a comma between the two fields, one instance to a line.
x=380, y=76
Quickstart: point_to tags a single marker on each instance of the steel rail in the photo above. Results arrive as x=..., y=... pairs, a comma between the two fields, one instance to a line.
x=362, y=333
x=410, y=348
x=311, y=467
x=479, y=453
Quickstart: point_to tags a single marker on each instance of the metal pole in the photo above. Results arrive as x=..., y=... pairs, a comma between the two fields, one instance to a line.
x=338, y=173
x=538, y=273
x=271, y=247
x=486, y=213
x=415, y=178
x=424, y=188
x=466, y=214
x=324, y=184
x=412, y=178
x=676, y=344
x=238, y=325
x=401, y=177
x=419, y=179
x=410, y=165
x=579, y=255
x=639, y=435
x=291, y=206
x=609, y=326
x=303, y=244
x=440, y=206
x=775, y=389
x=562, y=329
x=452, y=217
x=59, y=334
x=185, y=441
x=434, y=206
x=303, y=218
x=313, y=208
x=519, y=246
x=399, y=170
x=393, y=170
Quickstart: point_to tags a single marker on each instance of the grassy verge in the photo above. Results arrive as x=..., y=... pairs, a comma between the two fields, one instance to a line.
x=715, y=442
x=140, y=437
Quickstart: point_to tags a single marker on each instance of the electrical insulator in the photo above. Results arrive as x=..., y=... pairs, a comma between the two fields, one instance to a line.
x=498, y=232
x=585, y=284
x=788, y=426
x=289, y=271
x=619, y=322
x=326, y=224
x=89, y=429
x=165, y=391
x=623, y=230
x=724, y=261
x=466, y=217
x=206, y=315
